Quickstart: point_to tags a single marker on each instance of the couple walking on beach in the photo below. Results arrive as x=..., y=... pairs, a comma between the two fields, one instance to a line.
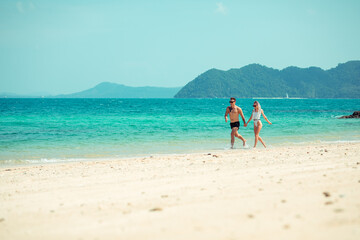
x=234, y=112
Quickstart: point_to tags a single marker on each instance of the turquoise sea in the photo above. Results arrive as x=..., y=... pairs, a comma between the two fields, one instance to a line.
x=53, y=130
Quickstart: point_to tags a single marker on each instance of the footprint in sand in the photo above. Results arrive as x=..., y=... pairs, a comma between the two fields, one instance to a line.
x=155, y=209
x=326, y=194
x=338, y=210
x=286, y=226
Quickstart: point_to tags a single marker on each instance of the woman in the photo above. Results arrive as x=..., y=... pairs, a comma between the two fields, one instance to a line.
x=256, y=114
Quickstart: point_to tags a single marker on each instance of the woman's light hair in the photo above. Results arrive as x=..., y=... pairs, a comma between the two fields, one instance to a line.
x=258, y=105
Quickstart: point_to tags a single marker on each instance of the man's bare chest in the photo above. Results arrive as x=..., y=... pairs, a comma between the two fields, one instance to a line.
x=234, y=111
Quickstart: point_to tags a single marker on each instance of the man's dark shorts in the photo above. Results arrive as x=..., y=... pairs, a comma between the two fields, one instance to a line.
x=235, y=124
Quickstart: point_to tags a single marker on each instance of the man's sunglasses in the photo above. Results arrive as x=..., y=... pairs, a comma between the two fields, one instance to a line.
x=231, y=101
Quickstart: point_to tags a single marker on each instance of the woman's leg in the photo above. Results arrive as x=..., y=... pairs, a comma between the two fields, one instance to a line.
x=257, y=132
x=262, y=141
x=256, y=135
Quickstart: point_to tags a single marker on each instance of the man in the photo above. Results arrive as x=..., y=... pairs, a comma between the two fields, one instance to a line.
x=234, y=112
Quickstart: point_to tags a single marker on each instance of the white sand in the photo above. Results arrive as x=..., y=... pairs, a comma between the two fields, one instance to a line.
x=302, y=192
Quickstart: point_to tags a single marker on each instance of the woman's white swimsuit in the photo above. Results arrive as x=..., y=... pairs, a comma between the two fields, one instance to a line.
x=256, y=117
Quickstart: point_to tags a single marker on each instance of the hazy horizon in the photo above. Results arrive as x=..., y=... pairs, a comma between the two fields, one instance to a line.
x=70, y=46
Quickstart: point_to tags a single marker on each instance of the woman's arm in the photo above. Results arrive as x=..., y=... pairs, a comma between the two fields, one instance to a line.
x=262, y=111
x=250, y=118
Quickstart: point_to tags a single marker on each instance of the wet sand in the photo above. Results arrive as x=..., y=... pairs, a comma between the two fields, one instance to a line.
x=298, y=192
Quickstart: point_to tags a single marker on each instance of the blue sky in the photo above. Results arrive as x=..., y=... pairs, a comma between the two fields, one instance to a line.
x=71, y=45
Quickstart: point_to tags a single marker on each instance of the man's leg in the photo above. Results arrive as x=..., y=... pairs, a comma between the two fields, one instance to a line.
x=240, y=137
x=233, y=133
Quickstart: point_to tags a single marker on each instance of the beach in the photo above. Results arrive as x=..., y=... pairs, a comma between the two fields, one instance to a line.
x=297, y=192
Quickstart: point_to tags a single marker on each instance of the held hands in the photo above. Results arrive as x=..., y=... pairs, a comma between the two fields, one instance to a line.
x=245, y=124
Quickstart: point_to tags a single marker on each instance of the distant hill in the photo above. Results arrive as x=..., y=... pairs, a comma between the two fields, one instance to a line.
x=114, y=90
x=260, y=81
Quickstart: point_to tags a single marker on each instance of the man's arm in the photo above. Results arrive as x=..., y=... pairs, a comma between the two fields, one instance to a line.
x=226, y=113
x=242, y=116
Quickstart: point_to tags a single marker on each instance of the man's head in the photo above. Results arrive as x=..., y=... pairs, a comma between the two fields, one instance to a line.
x=232, y=101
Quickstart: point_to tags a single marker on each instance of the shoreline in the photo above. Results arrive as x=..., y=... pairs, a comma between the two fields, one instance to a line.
x=46, y=161
x=297, y=192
